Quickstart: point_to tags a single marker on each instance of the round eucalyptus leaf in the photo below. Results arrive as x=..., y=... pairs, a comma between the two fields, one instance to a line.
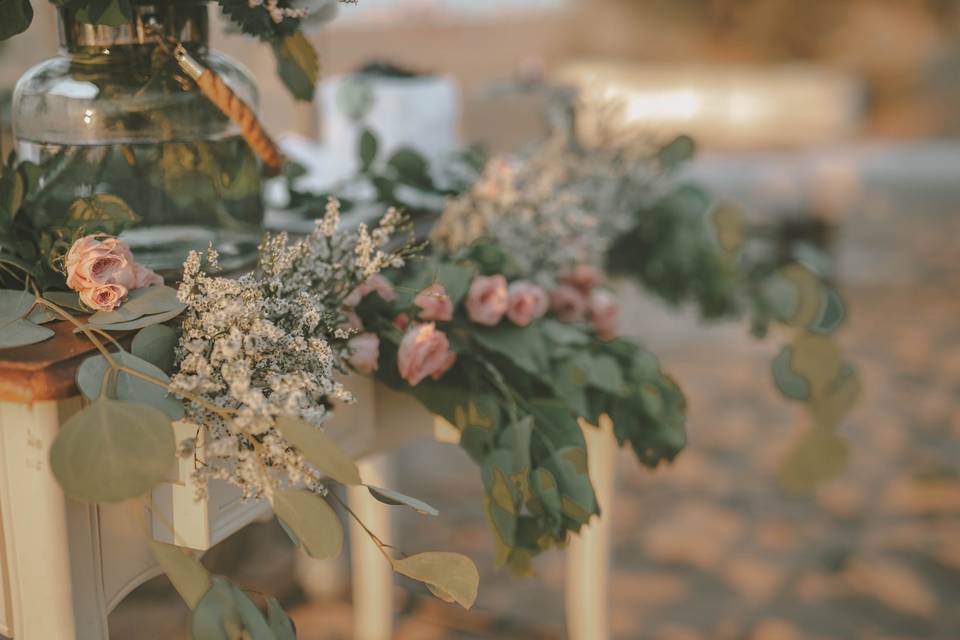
x=18, y=333
x=453, y=574
x=139, y=323
x=157, y=345
x=41, y=315
x=65, y=299
x=188, y=576
x=15, y=303
x=280, y=623
x=111, y=451
x=315, y=524
x=126, y=387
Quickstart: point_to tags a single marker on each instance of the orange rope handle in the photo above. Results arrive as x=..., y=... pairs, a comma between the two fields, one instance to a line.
x=233, y=106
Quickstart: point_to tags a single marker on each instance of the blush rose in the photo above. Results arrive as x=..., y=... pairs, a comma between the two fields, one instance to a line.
x=604, y=314
x=424, y=352
x=526, y=302
x=487, y=299
x=364, y=352
x=434, y=303
x=568, y=303
x=102, y=270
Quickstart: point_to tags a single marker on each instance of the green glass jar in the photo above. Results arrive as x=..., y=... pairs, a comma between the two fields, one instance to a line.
x=114, y=114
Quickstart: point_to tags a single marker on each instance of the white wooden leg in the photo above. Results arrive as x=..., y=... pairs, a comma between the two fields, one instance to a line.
x=372, y=575
x=50, y=595
x=588, y=556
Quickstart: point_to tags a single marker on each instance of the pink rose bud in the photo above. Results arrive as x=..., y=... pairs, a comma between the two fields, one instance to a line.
x=424, y=352
x=526, y=302
x=568, y=303
x=103, y=297
x=352, y=322
x=364, y=352
x=401, y=321
x=434, y=303
x=583, y=277
x=376, y=283
x=487, y=299
x=604, y=314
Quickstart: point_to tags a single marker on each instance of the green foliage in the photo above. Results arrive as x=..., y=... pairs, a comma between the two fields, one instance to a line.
x=311, y=519
x=320, y=450
x=127, y=387
x=297, y=65
x=18, y=324
x=156, y=344
x=452, y=574
x=395, y=498
x=15, y=17
x=112, y=451
x=226, y=613
x=188, y=576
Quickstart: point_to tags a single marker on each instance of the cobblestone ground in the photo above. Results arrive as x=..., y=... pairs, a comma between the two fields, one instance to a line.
x=711, y=548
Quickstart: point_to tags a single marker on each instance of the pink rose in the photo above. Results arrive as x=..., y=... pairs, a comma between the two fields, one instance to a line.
x=103, y=297
x=364, y=352
x=94, y=262
x=526, y=302
x=583, y=277
x=604, y=314
x=352, y=322
x=434, y=303
x=568, y=303
x=487, y=299
x=424, y=351
x=377, y=283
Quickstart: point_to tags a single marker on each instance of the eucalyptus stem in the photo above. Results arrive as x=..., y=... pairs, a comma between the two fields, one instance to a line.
x=381, y=545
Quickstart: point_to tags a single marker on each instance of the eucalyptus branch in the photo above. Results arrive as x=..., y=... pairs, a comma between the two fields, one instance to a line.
x=381, y=545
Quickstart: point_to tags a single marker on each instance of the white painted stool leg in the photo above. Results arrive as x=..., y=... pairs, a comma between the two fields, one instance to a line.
x=52, y=561
x=372, y=575
x=588, y=555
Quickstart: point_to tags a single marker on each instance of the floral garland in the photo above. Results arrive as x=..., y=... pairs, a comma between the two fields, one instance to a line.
x=512, y=347
x=255, y=363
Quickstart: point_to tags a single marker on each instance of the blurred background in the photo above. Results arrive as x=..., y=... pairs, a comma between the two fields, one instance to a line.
x=846, y=110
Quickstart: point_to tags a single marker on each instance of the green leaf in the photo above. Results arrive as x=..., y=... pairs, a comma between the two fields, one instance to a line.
x=312, y=520
x=280, y=623
x=320, y=450
x=126, y=387
x=677, y=152
x=395, y=498
x=15, y=303
x=569, y=468
x=65, y=299
x=452, y=573
x=355, y=97
x=18, y=333
x=41, y=315
x=139, y=323
x=367, y=149
x=111, y=451
x=456, y=280
x=17, y=16
x=297, y=65
x=188, y=576
x=411, y=168
x=157, y=345
x=562, y=333
x=13, y=184
x=523, y=346
x=102, y=212
x=226, y=613
x=140, y=302
x=789, y=383
x=819, y=456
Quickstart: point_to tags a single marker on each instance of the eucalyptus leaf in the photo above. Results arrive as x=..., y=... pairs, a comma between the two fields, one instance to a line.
x=315, y=524
x=188, y=576
x=65, y=299
x=141, y=302
x=395, y=498
x=103, y=210
x=111, y=451
x=452, y=573
x=677, y=152
x=127, y=387
x=280, y=622
x=226, y=613
x=320, y=450
x=819, y=456
x=19, y=333
x=42, y=315
x=17, y=16
x=367, y=149
x=139, y=323
x=15, y=303
x=156, y=344
x=524, y=346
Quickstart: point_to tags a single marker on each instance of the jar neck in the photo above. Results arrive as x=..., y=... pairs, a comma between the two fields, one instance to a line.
x=184, y=20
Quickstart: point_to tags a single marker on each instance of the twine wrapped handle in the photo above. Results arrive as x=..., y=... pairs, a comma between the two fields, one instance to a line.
x=216, y=90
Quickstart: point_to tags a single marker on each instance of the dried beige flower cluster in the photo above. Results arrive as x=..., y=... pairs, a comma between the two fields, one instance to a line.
x=271, y=343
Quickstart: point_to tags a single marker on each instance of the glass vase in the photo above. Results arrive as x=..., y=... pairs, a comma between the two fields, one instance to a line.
x=114, y=114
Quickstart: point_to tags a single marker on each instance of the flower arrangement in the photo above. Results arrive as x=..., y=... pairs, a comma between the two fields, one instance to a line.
x=506, y=331
x=254, y=362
